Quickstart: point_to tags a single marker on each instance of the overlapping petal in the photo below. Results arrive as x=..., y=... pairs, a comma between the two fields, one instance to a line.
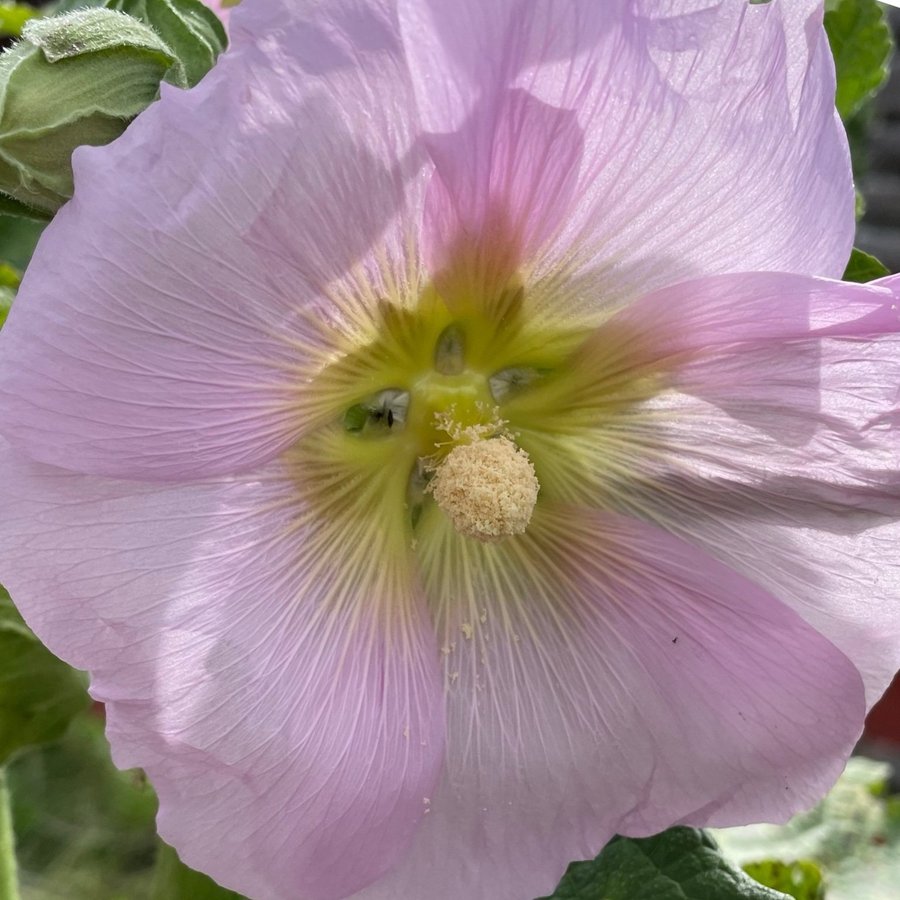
x=704, y=136
x=284, y=700
x=213, y=257
x=776, y=445
x=602, y=675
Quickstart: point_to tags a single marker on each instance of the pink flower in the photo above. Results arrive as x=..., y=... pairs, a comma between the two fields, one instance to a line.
x=393, y=269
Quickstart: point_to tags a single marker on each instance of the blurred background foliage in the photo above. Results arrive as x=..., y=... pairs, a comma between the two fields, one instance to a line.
x=85, y=831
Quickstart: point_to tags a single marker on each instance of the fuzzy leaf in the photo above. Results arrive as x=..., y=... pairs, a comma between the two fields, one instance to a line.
x=189, y=27
x=90, y=31
x=861, y=42
x=9, y=206
x=72, y=80
x=679, y=864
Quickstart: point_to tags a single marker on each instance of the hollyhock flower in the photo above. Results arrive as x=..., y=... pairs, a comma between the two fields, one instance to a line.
x=391, y=432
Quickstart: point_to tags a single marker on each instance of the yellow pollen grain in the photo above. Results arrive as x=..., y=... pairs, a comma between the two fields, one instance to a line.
x=487, y=489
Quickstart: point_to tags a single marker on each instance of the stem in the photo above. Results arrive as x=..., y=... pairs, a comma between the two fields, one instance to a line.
x=9, y=882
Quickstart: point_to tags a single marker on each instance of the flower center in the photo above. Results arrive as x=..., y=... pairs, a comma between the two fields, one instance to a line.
x=487, y=488
x=457, y=415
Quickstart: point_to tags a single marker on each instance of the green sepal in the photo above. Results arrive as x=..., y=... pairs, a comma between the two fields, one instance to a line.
x=679, y=864
x=173, y=880
x=861, y=43
x=863, y=267
x=39, y=694
x=193, y=31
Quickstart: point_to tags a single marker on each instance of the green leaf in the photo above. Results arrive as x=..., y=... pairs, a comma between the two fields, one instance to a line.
x=90, y=31
x=18, y=238
x=10, y=277
x=801, y=880
x=173, y=880
x=861, y=43
x=853, y=835
x=7, y=295
x=863, y=267
x=844, y=824
x=84, y=829
x=64, y=6
x=39, y=694
x=13, y=16
x=72, y=80
x=9, y=206
x=679, y=864
x=193, y=31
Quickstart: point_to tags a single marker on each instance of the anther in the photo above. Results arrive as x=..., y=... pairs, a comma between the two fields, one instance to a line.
x=487, y=488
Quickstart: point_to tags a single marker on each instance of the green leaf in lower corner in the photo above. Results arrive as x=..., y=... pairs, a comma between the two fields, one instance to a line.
x=863, y=267
x=801, y=880
x=39, y=694
x=679, y=864
x=853, y=835
x=861, y=43
x=173, y=880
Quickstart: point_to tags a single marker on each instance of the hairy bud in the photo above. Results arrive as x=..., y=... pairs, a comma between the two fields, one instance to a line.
x=73, y=79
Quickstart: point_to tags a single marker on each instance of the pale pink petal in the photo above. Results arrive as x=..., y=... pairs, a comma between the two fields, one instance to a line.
x=710, y=141
x=776, y=445
x=604, y=676
x=280, y=687
x=500, y=190
x=235, y=237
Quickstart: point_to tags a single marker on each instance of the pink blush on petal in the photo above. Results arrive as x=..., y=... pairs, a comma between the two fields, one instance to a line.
x=499, y=192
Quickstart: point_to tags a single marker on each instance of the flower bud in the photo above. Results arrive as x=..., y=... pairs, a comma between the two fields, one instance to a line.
x=190, y=27
x=73, y=79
